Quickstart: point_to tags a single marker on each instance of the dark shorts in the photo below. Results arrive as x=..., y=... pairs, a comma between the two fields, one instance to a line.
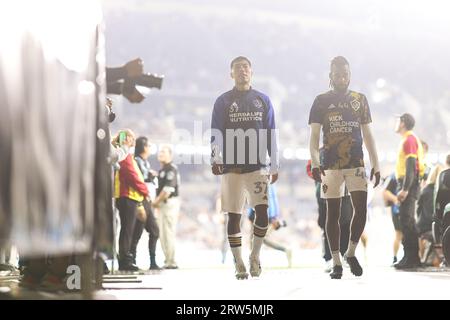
x=396, y=221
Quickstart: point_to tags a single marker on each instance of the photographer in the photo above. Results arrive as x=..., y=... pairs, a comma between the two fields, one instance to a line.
x=123, y=80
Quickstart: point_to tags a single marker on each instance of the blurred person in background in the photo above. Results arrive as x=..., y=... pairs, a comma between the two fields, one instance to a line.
x=168, y=204
x=390, y=200
x=129, y=191
x=146, y=218
x=425, y=212
x=410, y=167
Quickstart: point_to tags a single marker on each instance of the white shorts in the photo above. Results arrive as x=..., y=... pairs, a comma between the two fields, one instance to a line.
x=333, y=182
x=239, y=189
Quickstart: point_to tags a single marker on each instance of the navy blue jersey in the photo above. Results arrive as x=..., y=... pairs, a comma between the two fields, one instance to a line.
x=238, y=112
x=341, y=117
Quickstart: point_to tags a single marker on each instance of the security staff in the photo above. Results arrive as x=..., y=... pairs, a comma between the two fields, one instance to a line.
x=168, y=203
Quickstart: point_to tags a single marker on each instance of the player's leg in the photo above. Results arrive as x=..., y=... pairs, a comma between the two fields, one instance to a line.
x=256, y=185
x=259, y=232
x=356, y=182
x=333, y=234
x=233, y=203
x=153, y=235
x=332, y=190
x=397, y=242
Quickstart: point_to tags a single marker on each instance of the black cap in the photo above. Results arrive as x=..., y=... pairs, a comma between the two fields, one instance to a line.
x=408, y=120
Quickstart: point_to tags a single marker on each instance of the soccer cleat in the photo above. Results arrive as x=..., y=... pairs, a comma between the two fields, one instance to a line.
x=354, y=265
x=171, y=267
x=255, y=267
x=336, y=273
x=241, y=272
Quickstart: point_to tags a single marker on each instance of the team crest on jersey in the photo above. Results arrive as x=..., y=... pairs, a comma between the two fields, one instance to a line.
x=170, y=175
x=324, y=188
x=355, y=105
x=162, y=174
x=234, y=108
x=257, y=103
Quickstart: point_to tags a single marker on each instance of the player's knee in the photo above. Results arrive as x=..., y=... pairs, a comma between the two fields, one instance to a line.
x=261, y=209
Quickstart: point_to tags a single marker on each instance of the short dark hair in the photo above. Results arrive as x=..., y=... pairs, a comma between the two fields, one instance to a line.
x=239, y=58
x=408, y=120
x=339, y=61
x=141, y=142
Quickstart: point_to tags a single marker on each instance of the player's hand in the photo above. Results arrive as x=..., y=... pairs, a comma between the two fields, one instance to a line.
x=402, y=195
x=317, y=174
x=273, y=178
x=377, y=177
x=134, y=68
x=217, y=169
x=155, y=205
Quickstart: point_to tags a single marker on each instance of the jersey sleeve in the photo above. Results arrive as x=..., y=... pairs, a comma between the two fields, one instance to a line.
x=366, y=117
x=316, y=114
x=272, y=139
x=217, y=131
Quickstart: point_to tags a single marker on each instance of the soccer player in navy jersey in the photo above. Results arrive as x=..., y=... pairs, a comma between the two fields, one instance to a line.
x=344, y=117
x=243, y=137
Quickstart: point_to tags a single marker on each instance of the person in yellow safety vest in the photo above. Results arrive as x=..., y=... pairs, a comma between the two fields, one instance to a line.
x=409, y=169
x=129, y=191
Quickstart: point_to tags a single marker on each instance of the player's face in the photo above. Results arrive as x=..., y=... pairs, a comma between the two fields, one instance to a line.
x=241, y=72
x=340, y=77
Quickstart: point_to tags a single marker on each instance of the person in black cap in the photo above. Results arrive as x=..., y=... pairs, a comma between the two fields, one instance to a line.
x=168, y=204
x=409, y=168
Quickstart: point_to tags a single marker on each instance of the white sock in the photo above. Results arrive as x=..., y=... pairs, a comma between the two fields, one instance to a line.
x=336, y=258
x=256, y=247
x=351, y=249
x=237, y=254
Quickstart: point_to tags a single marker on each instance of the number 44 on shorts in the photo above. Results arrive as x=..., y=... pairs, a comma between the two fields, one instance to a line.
x=360, y=173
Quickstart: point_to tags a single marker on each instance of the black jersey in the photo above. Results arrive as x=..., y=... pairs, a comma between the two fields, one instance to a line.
x=168, y=180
